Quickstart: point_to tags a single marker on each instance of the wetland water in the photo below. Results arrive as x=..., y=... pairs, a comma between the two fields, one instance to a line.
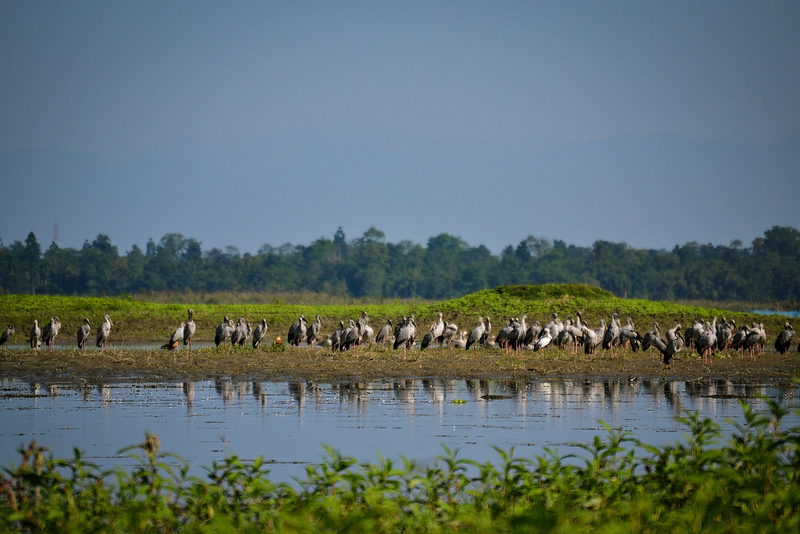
x=288, y=422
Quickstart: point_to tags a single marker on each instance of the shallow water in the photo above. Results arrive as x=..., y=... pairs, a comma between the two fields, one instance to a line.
x=287, y=422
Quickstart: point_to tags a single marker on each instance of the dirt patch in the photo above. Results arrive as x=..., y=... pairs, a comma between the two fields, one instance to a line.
x=371, y=364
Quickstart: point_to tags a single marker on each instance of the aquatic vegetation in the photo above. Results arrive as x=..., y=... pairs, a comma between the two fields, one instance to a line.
x=749, y=483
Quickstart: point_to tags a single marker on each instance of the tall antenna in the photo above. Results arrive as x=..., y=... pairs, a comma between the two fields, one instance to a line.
x=55, y=234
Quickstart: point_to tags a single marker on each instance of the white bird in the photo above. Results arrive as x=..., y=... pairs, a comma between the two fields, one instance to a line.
x=460, y=342
x=104, y=332
x=83, y=334
x=544, y=340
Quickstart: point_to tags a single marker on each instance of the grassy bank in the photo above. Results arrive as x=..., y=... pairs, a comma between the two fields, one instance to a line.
x=135, y=318
x=700, y=484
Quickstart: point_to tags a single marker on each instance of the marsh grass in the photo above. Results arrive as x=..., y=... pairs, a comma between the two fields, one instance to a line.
x=156, y=317
x=748, y=483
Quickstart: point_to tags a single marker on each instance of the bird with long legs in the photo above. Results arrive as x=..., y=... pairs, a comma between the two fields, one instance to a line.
x=7, y=333
x=49, y=333
x=259, y=334
x=784, y=339
x=35, y=337
x=175, y=339
x=312, y=334
x=104, y=332
x=475, y=335
x=189, y=329
x=83, y=334
x=224, y=331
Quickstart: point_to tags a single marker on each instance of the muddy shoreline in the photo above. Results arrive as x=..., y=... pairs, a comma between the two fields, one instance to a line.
x=120, y=365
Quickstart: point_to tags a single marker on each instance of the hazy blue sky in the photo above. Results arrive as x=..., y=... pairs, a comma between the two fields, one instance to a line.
x=251, y=123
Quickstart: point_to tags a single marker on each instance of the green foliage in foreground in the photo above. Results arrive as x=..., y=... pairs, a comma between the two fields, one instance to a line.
x=138, y=319
x=748, y=484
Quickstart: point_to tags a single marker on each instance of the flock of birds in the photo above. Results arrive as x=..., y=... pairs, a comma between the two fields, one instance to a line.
x=515, y=336
x=47, y=334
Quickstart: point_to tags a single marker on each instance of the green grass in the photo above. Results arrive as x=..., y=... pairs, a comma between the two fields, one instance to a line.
x=135, y=318
x=698, y=484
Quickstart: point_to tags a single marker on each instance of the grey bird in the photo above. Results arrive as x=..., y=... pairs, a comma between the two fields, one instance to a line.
x=224, y=331
x=104, y=332
x=312, y=334
x=405, y=335
x=612, y=334
x=476, y=335
x=259, y=334
x=628, y=334
x=189, y=329
x=336, y=337
x=385, y=333
x=241, y=332
x=174, y=342
x=35, y=337
x=83, y=334
x=7, y=333
x=707, y=341
x=784, y=339
x=516, y=337
x=297, y=332
x=647, y=339
x=49, y=333
x=590, y=340
x=670, y=349
x=428, y=338
x=449, y=334
x=502, y=335
x=350, y=336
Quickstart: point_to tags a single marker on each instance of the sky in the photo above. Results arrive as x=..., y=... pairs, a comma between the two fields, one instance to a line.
x=250, y=123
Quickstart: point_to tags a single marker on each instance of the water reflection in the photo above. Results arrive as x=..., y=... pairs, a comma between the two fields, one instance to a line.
x=286, y=422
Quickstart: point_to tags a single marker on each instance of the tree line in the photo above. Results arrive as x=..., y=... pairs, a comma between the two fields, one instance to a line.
x=446, y=267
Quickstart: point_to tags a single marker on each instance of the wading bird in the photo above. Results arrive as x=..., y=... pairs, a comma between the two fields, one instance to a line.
x=224, y=331
x=312, y=334
x=476, y=335
x=385, y=333
x=7, y=333
x=189, y=329
x=297, y=332
x=49, y=333
x=35, y=337
x=83, y=334
x=260, y=333
x=104, y=332
x=784, y=339
x=174, y=342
